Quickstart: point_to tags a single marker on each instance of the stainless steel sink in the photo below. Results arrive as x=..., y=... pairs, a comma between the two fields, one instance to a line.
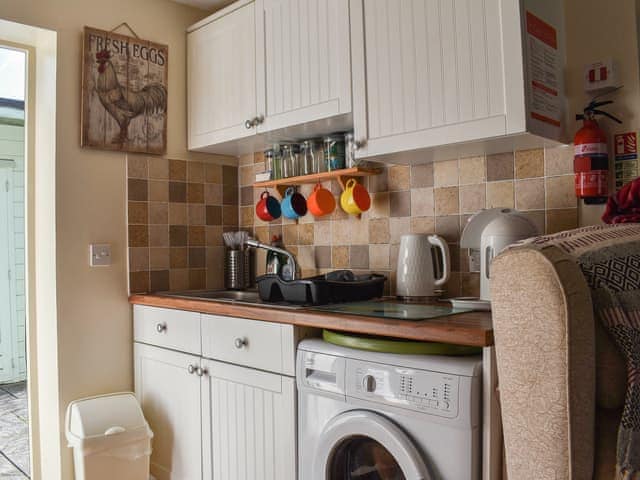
x=246, y=297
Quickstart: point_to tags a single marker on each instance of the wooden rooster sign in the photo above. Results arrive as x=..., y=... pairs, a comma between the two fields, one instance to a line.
x=124, y=93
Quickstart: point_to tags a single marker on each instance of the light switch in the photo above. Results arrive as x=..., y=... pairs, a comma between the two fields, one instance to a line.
x=100, y=255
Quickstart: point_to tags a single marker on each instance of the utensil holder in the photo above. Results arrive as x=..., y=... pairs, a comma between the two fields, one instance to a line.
x=237, y=269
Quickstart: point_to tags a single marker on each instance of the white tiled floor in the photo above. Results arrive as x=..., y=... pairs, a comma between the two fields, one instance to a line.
x=14, y=432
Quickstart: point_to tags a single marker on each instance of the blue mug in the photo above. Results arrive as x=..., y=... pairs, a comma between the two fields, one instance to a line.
x=293, y=204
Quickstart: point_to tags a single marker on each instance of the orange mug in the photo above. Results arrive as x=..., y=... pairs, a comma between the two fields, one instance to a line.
x=321, y=201
x=355, y=199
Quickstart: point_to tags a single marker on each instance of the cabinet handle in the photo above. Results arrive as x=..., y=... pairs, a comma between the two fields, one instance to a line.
x=161, y=327
x=201, y=371
x=241, y=342
x=192, y=369
x=358, y=144
x=249, y=124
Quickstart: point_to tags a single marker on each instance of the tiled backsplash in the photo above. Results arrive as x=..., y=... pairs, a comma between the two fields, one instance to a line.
x=432, y=198
x=177, y=211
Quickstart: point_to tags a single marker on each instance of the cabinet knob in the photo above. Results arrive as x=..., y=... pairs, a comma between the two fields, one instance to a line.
x=358, y=144
x=192, y=369
x=201, y=371
x=161, y=327
x=241, y=342
x=259, y=120
x=249, y=124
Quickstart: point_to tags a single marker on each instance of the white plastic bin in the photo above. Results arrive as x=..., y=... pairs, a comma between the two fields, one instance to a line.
x=110, y=438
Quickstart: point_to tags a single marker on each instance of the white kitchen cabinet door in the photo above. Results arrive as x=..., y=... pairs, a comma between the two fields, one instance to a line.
x=435, y=72
x=249, y=419
x=171, y=401
x=222, y=77
x=303, y=61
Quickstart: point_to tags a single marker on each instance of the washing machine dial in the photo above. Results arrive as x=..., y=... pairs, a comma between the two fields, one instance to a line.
x=369, y=383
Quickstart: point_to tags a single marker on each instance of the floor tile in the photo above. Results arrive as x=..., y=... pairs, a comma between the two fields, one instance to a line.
x=8, y=471
x=14, y=432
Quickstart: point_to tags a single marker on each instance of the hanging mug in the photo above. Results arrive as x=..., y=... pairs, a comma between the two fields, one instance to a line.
x=355, y=199
x=293, y=204
x=321, y=201
x=268, y=207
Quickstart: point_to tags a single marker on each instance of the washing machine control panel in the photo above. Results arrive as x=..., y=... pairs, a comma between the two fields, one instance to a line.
x=420, y=390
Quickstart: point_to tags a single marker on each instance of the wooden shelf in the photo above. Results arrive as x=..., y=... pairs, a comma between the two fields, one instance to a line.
x=341, y=176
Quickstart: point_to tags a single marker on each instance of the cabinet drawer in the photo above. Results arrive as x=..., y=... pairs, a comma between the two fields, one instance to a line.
x=264, y=345
x=167, y=328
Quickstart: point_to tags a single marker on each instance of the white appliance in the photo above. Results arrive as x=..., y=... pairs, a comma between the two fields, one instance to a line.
x=421, y=271
x=365, y=415
x=491, y=231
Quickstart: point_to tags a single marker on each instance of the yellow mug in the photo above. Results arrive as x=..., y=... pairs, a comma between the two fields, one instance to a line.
x=355, y=199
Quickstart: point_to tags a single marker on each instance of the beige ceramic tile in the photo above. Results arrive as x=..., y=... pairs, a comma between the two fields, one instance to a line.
x=306, y=258
x=137, y=166
x=379, y=257
x=359, y=230
x=558, y=160
x=340, y=257
x=470, y=284
x=158, y=168
x=290, y=234
x=305, y=234
x=398, y=226
x=500, y=167
x=247, y=175
x=399, y=178
x=422, y=175
x=530, y=163
x=246, y=216
x=379, y=230
x=500, y=194
x=322, y=233
x=560, y=192
x=472, y=197
x=422, y=202
x=473, y=170
x=158, y=190
x=379, y=205
x=212, y=194
x=179, y=279
x=446, y=200
x=448, y=227
x=178, y=214
x=537, y=217
x=340, y=234
x=562, y=219
x=213, y=236
x=247, y=159
x=423, y=224
x=159, y=259
x=138, y=259
x=158, y=235
x=196, y=214
x=530, y=194
x=445, y=174
x=158, y=213
x=212, y=173
x=195, y=172
x=379, y=183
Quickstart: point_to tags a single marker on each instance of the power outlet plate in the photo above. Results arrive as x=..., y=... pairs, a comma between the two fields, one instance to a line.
x=100, y=255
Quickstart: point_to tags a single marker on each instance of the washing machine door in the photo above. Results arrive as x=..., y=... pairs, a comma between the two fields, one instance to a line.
x=363, y=445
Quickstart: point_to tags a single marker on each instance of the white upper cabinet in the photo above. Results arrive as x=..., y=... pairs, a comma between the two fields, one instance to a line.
x=303, y=51
x=432, y=73
x=222, y=76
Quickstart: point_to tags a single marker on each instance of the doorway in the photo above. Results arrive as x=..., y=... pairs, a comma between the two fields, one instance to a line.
x=14, y=418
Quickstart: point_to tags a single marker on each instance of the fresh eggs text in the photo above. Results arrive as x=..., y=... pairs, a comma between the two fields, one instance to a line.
x=135, y=50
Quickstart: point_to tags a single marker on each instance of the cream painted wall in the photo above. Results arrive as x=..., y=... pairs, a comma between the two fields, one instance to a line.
x=597, y=30
x=94, y=319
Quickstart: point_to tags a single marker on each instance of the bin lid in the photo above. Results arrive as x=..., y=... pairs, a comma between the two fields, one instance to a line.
x=90, y=417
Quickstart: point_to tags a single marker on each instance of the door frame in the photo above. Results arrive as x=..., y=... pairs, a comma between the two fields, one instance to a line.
x=10, y=348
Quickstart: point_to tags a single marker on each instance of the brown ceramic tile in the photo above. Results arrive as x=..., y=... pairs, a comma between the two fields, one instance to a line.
x=500, y=194
x=178, y=170
x=178, y=235
x=196, y=214
x=537, y=217
x=448, y=227
x=500, y=167
x=197, y=279
x=422, y=175
x=178, y=214
x=158, y=236
x=446, y=200
x=158, y=168
x=247, y=159
x=158, y=191
x=323, y=257
x=246, y=175
x=195, y=172
x=445, y=174
x=379, y=183
x=305, y=234
x=530, y=194
x=560, y=192
x=558, y=161
x=137, y=166
x=178, y=192
x=399, y=178
x=530, y=163
x=470, y=284
x=197, y=257
x=472, y=198
x=213, y=235
x=290, y=234
x=398, y=226
x=400, y=204
x=138, y=213
x=422, y=203
x=159, y=259
x=195, y=192
x=473, y=170
x=212, y=173
x=229, y=175
x=179, y=279
x=196, y=236
x=562, y=219
x=423, y=224
x=230, y=215
x=138, y=190
x=138, y=236
x=138, y=259
x=247, y=216
x=159, y=280
x=230, y=194
x=139, y=282
x=379, y=205
x=379, y=230
x=158, y=213
x=246, y=196
x=340, y=256
x=178, y=257
x=379, y=257
x=359, y=256
x=213, y=194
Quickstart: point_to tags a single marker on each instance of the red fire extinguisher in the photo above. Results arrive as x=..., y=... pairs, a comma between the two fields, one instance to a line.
x=591, y=157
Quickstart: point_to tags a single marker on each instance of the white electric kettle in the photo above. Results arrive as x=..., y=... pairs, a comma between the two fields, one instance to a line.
x=421, y=271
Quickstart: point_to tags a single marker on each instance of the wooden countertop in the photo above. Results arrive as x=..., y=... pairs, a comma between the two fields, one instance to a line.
x=472, y=328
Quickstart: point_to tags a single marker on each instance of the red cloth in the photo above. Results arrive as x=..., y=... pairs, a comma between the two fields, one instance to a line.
x=624, y=205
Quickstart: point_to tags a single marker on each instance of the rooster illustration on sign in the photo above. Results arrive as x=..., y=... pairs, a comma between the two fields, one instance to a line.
x=125, y=104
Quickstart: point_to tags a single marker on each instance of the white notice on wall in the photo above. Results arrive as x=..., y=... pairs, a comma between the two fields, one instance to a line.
x=543, y=71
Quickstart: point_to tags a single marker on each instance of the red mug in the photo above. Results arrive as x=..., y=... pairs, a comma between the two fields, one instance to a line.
x=268, y=207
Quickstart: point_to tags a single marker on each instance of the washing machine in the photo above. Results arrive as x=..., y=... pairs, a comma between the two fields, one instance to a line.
x=379, y=416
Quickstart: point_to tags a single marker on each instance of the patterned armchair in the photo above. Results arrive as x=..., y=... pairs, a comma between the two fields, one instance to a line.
x=562, y=378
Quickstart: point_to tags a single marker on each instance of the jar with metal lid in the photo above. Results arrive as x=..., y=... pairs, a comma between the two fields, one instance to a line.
x=307, y=158
x=334, y=152
x=268, y=163
x=290, y=161
x=350, y=150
